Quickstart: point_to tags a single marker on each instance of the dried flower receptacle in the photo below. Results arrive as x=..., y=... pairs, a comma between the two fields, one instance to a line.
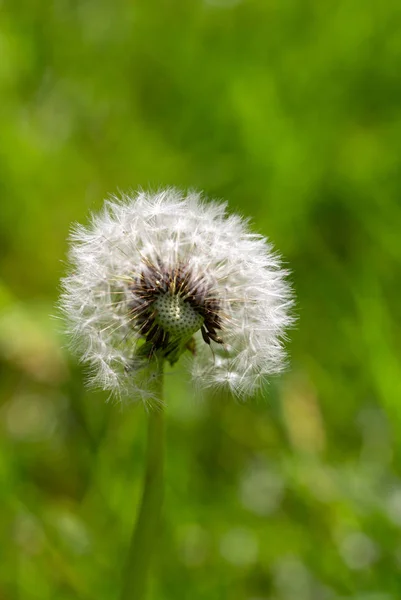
x=170, y=305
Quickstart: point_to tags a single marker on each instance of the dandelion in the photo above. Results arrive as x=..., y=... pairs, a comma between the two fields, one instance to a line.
x=157, y=276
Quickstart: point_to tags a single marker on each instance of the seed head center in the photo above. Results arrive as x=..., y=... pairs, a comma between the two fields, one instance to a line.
x=176, y=316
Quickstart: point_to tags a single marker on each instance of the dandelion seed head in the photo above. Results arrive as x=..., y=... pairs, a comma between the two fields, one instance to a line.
x=158, y=275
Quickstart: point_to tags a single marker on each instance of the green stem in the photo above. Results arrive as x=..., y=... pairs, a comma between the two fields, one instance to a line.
x=147, y=525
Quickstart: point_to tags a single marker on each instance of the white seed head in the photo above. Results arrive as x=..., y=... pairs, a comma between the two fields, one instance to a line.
x=157, y=275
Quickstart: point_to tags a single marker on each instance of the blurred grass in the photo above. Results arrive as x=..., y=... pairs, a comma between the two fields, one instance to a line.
x=291, y=111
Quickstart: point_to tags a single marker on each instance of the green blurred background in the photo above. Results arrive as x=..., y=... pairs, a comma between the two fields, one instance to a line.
x=292, y=112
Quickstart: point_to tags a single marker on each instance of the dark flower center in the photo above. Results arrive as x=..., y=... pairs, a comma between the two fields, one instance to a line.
x=169, y=306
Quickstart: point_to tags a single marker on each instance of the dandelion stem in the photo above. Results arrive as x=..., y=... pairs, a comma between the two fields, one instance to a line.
x=148, y=520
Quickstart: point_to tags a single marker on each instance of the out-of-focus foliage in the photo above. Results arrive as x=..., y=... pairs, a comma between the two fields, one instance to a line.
x=292, y=112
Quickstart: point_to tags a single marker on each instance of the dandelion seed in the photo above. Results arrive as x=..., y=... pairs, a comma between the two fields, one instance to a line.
x=156, y=276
